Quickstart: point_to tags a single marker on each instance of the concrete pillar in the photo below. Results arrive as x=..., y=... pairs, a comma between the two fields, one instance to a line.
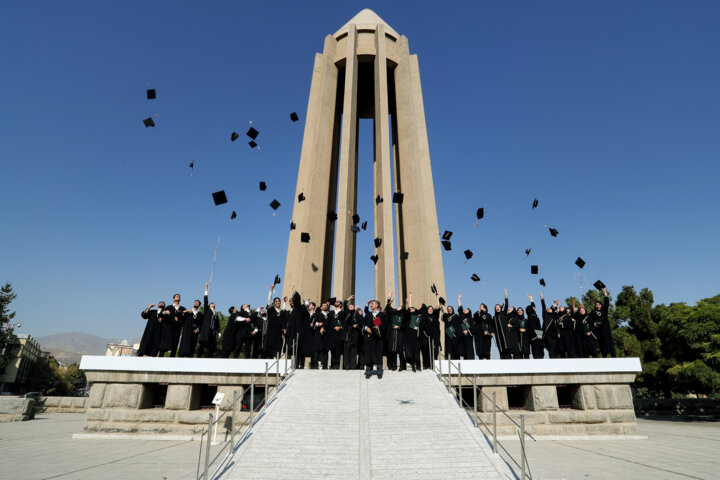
x=385, y=267
x=347, y=202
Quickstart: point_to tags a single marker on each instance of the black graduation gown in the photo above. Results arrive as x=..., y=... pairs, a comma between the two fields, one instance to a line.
x=465, y=335
x=307, y=333
x=550, y=331
x=294, y=323
x=502, y=332
x=150, y=341
x=374, y=338
x=522, y=336
x=272, y=336
x=605, y=340
x=335, y=337
x=579, y=335
x=394, y=341
x=210, y=324
x=483, y=322
x=533, y=324
x=172, y=325
x=568, y=343
x=413, y=336
x=589, y=336
x=188, y=339
x=229, y=338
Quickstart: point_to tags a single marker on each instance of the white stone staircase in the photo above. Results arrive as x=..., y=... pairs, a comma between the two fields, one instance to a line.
x=337, y=424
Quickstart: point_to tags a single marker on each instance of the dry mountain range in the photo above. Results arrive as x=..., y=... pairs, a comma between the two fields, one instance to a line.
x=69, y=347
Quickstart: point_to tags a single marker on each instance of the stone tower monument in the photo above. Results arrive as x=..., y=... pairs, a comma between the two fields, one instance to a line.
x=365, y=71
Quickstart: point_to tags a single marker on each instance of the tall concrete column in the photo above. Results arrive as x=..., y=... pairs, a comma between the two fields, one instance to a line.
x=385, y=267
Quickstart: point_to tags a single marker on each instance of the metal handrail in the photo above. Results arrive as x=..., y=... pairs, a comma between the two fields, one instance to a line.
x=250, y=418
x=521, y=426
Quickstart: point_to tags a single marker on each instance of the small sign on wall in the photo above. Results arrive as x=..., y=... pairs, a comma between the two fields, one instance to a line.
x=217, y=400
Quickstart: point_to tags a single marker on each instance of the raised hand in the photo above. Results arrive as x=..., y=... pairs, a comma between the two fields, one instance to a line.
x=506, y=293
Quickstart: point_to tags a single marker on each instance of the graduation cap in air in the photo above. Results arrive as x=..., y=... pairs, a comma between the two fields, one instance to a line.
x=148, y=122
x=534, y=269
x=542, y=282
x=233, y=215
x=447, y=245
x=441, y=300
x=263, y=186
x=447, y=235
x=305, y=237
x=274, y=204
x=599, y=285
x=252, y=133
x=527, y=252
x=475, y=278
x=468, y=254
x=580, y=262
x=234, y=136
x=331, y=300
x=301, y=197
x=378, y=200
x=332, y=216
x=292, y=225
x=378, y=242
x=219, y=197
x=553, y=232
x=480, y=213
x=364, y=225
x=277, y=280
x=151, y=94
x=433, y=288
x=294, y=117
x=404, y=255
x=535, y=203
x=356, y=219
x=252, y=144
x=192, y=168
x=354, y=228
x=398, y=197
x=374, y=258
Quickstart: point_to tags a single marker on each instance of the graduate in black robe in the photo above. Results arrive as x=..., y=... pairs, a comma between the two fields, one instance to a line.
x=533, y=326
x=465, y=341
x=568, y=343
x=209, y=329
x=229, y=336
x=306, y=349
x=171, y=319
x=293, y=327
x=360, y=319
x=551, y=335
x=336, y=332
x=150, y=341
x=579, y=333
x=273, y=333
x=374, y=330
x=502, y=330
x=451, y=323
x=589, y=332
x=430, y=327
x=519, y=323
x=394, y=342
x=600, y=317
x=483, y=333
x=192, y=319
x=413, y=335
x=246, y=328
x=323, y=324
x=350, y=335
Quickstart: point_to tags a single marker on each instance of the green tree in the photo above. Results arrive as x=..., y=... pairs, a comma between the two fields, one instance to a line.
x=74, y=376
x=7, y=337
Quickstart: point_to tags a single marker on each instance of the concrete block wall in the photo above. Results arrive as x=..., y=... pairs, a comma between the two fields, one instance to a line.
x=16, y=409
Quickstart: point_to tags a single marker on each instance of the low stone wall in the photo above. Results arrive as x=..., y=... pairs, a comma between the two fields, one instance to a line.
x=698, y=407
x=16, y=409
x=61, y=404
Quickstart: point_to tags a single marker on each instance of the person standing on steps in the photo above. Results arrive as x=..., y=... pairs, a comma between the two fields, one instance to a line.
x=373, y=332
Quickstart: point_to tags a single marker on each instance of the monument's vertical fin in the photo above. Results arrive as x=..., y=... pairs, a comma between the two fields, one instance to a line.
x=347, y=205
x=304, y=267
x=385, y=267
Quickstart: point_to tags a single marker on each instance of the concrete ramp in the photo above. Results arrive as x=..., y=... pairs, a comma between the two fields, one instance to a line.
x=337, y=424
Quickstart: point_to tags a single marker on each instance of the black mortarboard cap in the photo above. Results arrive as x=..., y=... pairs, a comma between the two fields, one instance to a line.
x=252, y=144
x=580, y=262
x=233, y=215
x=192, y=164
x=294, y=117
x=535, y=203
x=374, y=258
x=219, y=197
x=553, y=232
x=447, y=245
x=447, y=235
x=331, y=300
x=332, y=216
x=468, y=254
x=354, y=228
x=441, y=300
x=234, y=136
x=364, y=225
x=404, y=255
x=151, y=94
x=378, y=242
x=433, y=288
x=305, y=237
x=252, y=133
x=148, y=122
x=475, y=278
x=527, y=251
x=534, y=269
x=599, y=285
x=301, y=197
x=277, y=280
x=263, y=186
x=398, y=197
x=356, y=219
x=480, y=213
x=274, y=204
x=378, y=199
x=542, y=282
x=292, y=225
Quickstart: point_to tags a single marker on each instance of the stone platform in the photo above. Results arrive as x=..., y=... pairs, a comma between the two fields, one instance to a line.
x=558, y=397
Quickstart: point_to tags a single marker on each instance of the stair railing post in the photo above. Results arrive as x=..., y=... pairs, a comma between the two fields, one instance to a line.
x=232, y=420
x=266, y=384
x=522, y=447
x=475, y=414
x=459, y=385
x=252, y=397
x=207, y=447
x=494, y=407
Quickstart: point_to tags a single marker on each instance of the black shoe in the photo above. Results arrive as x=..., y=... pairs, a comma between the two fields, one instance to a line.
x=368, y=375
x=413, y=367
x=380, y=376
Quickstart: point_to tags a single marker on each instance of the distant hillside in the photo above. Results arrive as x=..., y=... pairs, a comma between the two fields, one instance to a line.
x=69, y=347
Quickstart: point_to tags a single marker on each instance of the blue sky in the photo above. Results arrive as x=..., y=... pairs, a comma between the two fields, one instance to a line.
x=607, y=112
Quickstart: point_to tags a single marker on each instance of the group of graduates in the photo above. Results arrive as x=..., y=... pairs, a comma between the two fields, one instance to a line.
x=406, y=335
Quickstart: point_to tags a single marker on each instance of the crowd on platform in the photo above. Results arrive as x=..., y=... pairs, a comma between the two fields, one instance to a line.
x=405, y=336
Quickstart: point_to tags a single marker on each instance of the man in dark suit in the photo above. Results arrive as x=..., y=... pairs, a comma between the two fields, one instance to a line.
x=171, y=318
x=209, y=329
x=373, y=332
